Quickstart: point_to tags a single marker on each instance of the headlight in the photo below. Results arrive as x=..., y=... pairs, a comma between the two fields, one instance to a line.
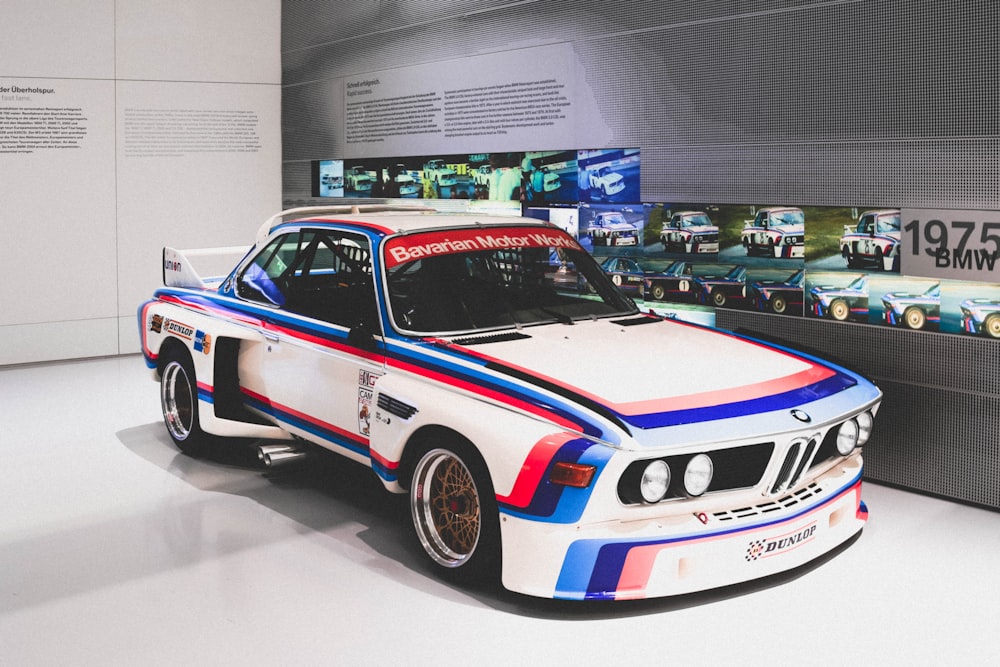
x=865, y=423
x=655, y=481
x=847, y=437
x=698, y=475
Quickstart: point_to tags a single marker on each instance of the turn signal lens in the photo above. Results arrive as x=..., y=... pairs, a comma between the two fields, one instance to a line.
x=576, y=475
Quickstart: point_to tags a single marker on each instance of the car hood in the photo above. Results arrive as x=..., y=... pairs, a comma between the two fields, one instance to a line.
x=663, y=373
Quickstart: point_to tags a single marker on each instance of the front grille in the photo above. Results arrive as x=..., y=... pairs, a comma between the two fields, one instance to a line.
x=785, y=502
x=797, y=460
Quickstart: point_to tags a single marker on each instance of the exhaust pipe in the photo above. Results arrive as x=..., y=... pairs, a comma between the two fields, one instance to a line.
x=278, y=455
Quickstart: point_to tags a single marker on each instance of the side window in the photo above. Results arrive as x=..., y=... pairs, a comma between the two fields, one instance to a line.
x=323, y=274
x=262, y=279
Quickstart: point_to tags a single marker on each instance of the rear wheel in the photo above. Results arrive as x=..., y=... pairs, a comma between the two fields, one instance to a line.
x=454, y=512
x=179, y=403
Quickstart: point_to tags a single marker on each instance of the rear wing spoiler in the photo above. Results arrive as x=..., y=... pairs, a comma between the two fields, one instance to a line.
x=178, y=271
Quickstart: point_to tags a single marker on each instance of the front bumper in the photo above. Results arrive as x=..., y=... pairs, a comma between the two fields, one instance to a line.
x=684, y=553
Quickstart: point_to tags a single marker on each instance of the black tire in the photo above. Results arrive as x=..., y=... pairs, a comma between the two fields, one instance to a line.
x=454, y=511
x=779, y=304
x=718, y=298
x=839, y=310
x=914, y=318
x=991, y=326
x=179, y=404
x=659, y=292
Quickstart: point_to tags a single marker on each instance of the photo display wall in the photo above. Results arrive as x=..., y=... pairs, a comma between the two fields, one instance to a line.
x=685, y=259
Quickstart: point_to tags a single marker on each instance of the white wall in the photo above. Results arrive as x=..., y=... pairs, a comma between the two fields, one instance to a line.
x=141, y=82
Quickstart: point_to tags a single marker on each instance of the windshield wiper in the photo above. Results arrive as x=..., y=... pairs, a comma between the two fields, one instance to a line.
x=562, y=318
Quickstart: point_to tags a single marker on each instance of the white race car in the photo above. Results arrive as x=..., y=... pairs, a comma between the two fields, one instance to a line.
x=605, y=181
x=434, y=350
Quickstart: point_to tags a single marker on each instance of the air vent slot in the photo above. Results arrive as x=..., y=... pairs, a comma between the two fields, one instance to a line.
x=395, y=407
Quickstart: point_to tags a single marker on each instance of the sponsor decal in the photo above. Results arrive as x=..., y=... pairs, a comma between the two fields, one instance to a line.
x=202, y=342
x=773, y=546
x=366, y=380
x=178, y=328
x=156, y=323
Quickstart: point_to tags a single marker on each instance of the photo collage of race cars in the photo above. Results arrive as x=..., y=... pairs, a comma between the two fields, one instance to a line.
x=836, y=263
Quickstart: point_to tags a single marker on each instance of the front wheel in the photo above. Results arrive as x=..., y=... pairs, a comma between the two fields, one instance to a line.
x=779, y=304
x=839, y=310
x=991, y=326
x=455, y=514
x=915, y=318
x=659, y=292
x=179, y=404
x=718, y=298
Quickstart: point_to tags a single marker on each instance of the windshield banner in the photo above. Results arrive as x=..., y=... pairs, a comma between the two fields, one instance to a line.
x=412, y=247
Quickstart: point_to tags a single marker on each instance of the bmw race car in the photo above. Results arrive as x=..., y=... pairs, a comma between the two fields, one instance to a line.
x=841, y=303
x=777, y=232
x=780, y=296
x=432, y=349
x=981, y=316
x=913, y=311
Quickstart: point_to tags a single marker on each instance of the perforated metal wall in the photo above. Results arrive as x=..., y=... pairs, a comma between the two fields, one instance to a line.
x=937, y=428
x=875, y=102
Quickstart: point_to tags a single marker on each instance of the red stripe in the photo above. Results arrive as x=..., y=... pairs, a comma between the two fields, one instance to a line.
x=534, y=466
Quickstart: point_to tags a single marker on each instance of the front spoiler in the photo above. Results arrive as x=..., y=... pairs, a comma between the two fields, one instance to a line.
x=701, y=553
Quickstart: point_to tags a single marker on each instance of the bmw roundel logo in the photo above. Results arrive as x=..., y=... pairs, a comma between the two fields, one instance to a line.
x=801, y=416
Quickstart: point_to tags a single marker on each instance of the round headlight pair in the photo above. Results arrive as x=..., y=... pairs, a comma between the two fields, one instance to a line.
x=655, y=481
x=854, y=433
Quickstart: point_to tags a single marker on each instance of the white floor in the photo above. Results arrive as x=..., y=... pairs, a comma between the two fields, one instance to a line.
x=115, y=549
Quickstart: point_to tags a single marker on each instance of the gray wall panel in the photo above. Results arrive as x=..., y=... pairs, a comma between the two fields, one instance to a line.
x=838, y=102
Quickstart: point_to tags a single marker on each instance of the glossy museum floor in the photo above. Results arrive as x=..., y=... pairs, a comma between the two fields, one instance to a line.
x=115, y=549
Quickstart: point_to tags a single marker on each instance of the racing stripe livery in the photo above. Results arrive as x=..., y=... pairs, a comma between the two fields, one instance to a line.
x=623, y=455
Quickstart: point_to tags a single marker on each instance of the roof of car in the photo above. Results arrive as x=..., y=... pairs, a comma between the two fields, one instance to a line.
x=394, y=218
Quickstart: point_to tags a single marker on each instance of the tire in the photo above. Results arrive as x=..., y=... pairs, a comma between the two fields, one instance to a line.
x=839, y=310
x=718, y=298
x=914, y=318
x=991, y=326
x=454, y=512
x=779, y=304
x=179, y=404
x=879, y=260
x=659, y=292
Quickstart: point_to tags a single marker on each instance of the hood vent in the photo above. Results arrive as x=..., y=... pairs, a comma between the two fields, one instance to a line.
x=495, y=338
x=632, y=321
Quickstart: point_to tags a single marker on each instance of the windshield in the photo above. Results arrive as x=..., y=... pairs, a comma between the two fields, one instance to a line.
x=466, y=280
x=783, y=218
x=696, y=221
x=887, y=223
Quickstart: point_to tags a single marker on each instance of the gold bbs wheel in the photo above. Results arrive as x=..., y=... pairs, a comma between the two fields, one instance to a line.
x=447, y=515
